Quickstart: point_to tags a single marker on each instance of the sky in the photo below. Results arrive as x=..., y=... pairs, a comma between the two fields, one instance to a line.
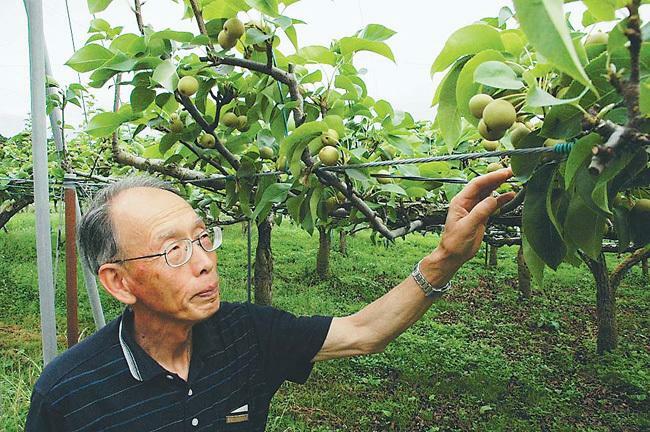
x=422, y=28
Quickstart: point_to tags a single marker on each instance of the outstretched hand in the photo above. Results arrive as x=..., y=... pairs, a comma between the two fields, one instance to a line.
x=468, y=214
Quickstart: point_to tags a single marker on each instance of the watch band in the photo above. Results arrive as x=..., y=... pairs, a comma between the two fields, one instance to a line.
x=429, y=289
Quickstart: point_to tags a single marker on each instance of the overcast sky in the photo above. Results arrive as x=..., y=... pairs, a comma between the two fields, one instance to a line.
x=422, y=28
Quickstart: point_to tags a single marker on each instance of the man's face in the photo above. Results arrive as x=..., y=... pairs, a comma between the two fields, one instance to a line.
x=146, y=221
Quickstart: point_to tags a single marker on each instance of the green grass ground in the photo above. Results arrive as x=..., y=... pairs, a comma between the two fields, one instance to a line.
x=480, y=360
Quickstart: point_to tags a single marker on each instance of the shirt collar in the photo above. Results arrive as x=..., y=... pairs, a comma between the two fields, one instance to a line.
x=141, y=365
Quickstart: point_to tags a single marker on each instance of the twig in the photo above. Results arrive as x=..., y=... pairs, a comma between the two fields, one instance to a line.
x=138, y=16
x=628, y=263
x=196, y=115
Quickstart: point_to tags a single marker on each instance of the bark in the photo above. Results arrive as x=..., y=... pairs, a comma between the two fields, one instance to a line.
x=493, y=261
x=607, y=338
x=343, y=243
x=14, y=208
x=644, y=267
x=523, y=274
x=323, y=256
x=263, y=277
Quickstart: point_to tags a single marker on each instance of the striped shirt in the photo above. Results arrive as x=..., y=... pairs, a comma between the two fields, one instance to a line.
x=240, y=357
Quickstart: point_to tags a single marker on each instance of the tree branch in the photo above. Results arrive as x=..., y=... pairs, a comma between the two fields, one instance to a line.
x=138, y=16
x=153, y=165
x=15, y=207
x=196, y=115
x=627, y=264
x=619, y=136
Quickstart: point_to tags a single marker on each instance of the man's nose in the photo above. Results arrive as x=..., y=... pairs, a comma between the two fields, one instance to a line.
x=202, y=261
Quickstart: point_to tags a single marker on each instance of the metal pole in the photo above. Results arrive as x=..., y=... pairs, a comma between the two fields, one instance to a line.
x=249, y=261
x=34, y=9
x=91, y=284
x=71, y=301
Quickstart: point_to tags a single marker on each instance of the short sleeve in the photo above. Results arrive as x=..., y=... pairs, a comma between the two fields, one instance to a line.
x=288, y=342
x=41, y=416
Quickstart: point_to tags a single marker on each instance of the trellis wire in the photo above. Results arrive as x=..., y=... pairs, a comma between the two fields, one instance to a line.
x=562, y=148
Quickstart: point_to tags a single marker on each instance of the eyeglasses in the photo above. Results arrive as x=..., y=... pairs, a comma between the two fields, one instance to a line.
x=180, y=252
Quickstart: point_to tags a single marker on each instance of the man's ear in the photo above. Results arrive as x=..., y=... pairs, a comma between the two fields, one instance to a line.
x=113, y=277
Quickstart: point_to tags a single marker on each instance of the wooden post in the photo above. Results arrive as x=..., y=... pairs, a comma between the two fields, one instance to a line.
x=71, y=301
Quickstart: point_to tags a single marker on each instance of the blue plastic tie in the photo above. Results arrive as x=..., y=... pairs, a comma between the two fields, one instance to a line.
x=563, y=148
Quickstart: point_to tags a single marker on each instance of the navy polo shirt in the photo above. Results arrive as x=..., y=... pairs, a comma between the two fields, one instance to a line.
x=240, y=357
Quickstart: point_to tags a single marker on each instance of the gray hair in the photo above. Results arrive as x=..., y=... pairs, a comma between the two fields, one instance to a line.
x=95, y=231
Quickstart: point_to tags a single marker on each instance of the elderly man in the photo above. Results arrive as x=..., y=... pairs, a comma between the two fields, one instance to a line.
x=179, y=359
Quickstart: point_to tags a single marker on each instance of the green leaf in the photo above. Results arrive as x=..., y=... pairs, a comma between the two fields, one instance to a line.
x=314, y=201
x=351, y=45
x=312, y=77
x=540, y=231
x=533, y=261
x=174, y=35
x=223, y=9
x=644, y=97
x=580, y=151
x=254, y=36
x=584, y=227
x=498, y=75
x=602, y=10
x=466, y=87
x=622, y=227
x=165, y=75
x=376, y=32
x=614, y=167
x=89, y=58
x=448, y=117
x=564, y=121
x=99, y=25
x=166, y=142
x=298, y=140
x=316, y=54
x=393, y=188
x=96, y=6
x=276, y=193
x=467, y=40
x=103, y=124
x=537, y=97
x=141, y=98
x=292, y=36
x=524, y=165
x=513, y=41
x=546, y=29
x=267, y=7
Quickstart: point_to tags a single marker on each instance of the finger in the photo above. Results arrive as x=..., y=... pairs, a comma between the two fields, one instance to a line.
x=482, y=186
x=504, y=198
x=482, y=211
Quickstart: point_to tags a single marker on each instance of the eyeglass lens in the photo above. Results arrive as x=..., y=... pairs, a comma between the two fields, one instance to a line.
x=179, y=252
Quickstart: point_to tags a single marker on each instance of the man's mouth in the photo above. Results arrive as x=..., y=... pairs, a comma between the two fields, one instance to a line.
x=209, y=292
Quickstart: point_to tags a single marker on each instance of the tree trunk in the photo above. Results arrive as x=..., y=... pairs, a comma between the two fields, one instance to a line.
x=14, y=208
x=493, y=256
x=323, y=256
x=343, y=243
x=263, y=264
x=644, y=267
x=523, y=274
x=607, y=339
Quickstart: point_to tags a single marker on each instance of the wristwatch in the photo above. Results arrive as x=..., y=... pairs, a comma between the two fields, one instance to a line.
x=429, y=289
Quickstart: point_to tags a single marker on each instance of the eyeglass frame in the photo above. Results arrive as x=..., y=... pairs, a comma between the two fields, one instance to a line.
x=215, y=230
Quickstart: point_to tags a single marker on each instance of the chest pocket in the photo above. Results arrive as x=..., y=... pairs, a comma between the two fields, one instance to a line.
x=239, y=418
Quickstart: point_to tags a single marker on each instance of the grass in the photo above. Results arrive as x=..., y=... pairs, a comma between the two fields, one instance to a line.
x=480, y=360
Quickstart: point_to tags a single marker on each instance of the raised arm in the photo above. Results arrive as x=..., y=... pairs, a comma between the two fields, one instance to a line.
x=373, y=327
